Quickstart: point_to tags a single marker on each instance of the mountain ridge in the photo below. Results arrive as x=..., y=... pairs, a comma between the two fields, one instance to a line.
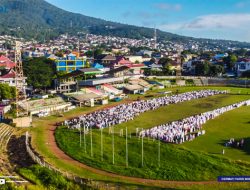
x=40, y=19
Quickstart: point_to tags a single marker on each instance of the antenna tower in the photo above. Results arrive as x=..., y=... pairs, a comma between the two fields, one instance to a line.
x=155, y=39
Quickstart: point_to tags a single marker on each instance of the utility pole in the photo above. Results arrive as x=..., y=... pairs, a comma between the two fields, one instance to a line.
x=142, y=150
x=155, y=38
x=80, y=136
x=85, y=150
x=101, y=146
x=126, y=147
x=113, y=145
x=159, y=153
x=91, y=140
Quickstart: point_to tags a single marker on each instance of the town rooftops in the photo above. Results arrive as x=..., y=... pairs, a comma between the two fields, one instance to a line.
x=106, y=57
x=84, y=71
x=117, y=70
x=10, y=74
x=133, y=87
x=6, y=62
x=85, y=97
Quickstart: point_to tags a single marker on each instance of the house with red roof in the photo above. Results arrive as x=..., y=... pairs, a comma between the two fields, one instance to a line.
x=6, y=63
x=8, y=77
x=243, y=65
x=135, y=68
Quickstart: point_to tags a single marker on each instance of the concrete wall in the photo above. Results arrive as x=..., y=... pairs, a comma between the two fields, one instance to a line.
x=22, y=122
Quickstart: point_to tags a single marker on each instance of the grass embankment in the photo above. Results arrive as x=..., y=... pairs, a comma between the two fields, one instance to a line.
x=47, y=179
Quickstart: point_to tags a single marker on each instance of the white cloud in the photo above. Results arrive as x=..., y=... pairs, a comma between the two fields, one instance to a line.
x=214, y=21
x=168, y=6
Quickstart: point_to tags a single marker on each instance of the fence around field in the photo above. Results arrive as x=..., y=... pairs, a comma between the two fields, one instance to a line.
x=91, y=184
x=208, y=81
x=43, y=163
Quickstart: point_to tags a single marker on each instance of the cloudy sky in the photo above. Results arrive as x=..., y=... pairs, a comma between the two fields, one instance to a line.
x=217, y=19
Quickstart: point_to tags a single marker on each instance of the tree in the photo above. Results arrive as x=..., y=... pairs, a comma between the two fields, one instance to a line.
x=39, y=72
x=89, y=53
x=59, y=54
x=147, y=71
x=165, y=61
x=166, y=71
x=97, y=52
x=202, y=69
x=61, y=73
x=215, y=70
x=246, y=74
x=87, y=64
x=207, y=55
x=230, y=61
x=247, y=54
x=240, y=52
x=152, y=60
x=146, y=56
x=7, y=92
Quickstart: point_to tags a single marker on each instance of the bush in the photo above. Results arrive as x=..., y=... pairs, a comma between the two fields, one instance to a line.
x=246, y=74
x=47, y=178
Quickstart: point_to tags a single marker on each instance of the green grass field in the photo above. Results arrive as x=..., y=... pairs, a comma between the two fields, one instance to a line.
x=191, y=151
x=234, y=124
x=176, y=163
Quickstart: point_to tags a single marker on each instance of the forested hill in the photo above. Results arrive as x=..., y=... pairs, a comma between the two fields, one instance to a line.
x=39, y=19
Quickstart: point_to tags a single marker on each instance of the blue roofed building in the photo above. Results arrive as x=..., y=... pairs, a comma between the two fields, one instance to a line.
x=70, y=63
x=97, y=66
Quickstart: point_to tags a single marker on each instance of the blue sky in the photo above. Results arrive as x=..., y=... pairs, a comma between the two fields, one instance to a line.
x=217, y=19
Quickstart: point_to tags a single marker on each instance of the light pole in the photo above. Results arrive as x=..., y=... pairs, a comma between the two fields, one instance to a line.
x=101, y=146
x=80, y=136
x=84, y=139
x=159, y=153
x=91, y=140
x=113, y=145
x=126, y=147
x=142, y=150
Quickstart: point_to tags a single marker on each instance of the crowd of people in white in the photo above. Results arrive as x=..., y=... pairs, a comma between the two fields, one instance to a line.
x=189, y=128
x=125, y=112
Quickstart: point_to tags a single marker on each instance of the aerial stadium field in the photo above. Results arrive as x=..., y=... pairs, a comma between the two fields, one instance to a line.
x=198, y=160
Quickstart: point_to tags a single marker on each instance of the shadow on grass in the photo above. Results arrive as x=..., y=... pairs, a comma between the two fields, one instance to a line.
x=245, y=148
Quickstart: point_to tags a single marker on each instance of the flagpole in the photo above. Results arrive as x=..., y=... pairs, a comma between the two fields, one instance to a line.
x=126, y=147
x=101, y=146
x=80, y=136
x=113, y=145
x=142, y=150
x=91, y=147
x=84, y=136
x=159, y=153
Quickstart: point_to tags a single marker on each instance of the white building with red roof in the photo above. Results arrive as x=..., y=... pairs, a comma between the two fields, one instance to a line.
x=243, y=65
x=7, y=73
x=8, y=77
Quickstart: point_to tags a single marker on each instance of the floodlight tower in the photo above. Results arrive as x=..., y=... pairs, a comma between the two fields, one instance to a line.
x=19, y=78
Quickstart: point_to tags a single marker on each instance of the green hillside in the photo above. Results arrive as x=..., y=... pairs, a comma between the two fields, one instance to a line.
x=39, y=19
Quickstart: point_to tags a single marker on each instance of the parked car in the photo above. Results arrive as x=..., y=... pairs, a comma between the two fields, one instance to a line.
x=42, y=114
